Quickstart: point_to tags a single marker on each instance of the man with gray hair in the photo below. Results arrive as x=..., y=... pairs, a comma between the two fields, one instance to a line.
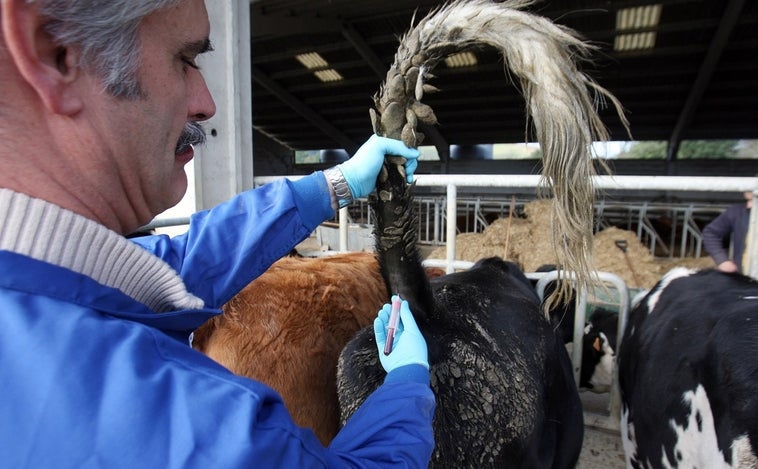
x=100, y=107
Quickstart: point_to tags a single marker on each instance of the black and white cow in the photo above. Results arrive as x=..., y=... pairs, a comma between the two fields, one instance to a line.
x=598, y=342
x=599, y=350
x=688, y=371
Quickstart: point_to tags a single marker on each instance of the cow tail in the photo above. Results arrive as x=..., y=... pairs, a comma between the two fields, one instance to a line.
x=561, y=103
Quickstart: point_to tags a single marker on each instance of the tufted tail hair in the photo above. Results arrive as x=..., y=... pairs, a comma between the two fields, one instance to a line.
x=561, y=102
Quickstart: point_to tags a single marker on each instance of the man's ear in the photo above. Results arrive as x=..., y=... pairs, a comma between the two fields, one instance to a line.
x=48, y=68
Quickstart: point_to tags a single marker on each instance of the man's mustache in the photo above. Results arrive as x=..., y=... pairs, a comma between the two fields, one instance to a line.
x=193, y=134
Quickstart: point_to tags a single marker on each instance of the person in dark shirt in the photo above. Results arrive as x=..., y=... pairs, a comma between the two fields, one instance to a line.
x=732, y=222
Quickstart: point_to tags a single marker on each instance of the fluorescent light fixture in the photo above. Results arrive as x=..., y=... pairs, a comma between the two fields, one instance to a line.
x=312, y=60
x=633, y=27
x=642, y=17
x=328, y=75
x=634, y=41
x=461, y=59
x=320, y=67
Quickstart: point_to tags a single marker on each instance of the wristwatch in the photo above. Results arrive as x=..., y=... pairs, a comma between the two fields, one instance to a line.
x=337, y=180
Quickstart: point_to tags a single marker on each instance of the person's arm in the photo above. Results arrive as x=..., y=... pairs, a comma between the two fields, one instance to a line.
x=244, y=421
x=228, y=246
x=166, y=405
x=393, y=427
x=714, y=235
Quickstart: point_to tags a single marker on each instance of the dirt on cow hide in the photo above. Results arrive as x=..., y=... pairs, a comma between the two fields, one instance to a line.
x=528, y=241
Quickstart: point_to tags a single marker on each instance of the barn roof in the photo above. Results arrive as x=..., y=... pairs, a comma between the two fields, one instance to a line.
x=688, y=73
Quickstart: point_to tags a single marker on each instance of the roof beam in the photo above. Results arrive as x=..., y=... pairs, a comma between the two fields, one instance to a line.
x=718, y=44
x=360, y=45
x=275, y=25
x=301, y=108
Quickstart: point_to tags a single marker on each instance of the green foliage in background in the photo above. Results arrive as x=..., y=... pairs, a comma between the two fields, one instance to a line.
x=689, y=149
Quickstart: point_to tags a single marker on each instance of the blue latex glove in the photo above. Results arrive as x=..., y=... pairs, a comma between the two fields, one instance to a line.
x=361, y=170
x=408, y=347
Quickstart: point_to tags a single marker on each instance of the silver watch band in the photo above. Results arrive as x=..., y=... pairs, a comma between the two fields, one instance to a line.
x=341, y=190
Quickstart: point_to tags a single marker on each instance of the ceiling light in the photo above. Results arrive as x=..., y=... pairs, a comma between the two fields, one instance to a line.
x=461, y=59
x=636, y=41
x=633, y=27
x=312, y=60
x=328, y=75
x=642, y=17
x=320, y=67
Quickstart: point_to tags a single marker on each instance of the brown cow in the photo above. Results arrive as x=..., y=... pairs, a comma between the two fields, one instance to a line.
x=288, y=327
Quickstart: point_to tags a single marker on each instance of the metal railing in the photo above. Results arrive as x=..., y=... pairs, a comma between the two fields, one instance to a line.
x=438, y=219
x=612, y=421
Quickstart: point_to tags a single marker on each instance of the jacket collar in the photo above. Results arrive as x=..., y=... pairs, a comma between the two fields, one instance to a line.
x=48, y=233
x=30, y=276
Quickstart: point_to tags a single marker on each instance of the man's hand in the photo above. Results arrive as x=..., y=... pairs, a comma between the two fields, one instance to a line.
x=409, y=346
x=727, y=266
x=361, y=170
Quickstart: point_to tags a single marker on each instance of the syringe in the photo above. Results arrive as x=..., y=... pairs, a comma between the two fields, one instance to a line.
x=392, y=326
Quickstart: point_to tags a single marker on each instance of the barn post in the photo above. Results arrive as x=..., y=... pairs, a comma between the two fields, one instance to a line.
x=224, y=166
x=452, y=215
x=751, y=260
x=343, y=229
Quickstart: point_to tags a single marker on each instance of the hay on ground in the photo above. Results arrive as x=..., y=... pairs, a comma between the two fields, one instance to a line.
x=530, y=246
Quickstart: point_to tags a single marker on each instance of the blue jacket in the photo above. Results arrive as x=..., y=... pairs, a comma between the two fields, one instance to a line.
x=90, y=377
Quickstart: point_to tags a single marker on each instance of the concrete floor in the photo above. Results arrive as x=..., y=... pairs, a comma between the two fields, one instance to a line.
x=602, y=448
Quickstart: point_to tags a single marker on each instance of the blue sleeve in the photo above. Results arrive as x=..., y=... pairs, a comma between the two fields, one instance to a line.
x=245, y=420
x=242, y=421
x=226, y=247
x=393, y=427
